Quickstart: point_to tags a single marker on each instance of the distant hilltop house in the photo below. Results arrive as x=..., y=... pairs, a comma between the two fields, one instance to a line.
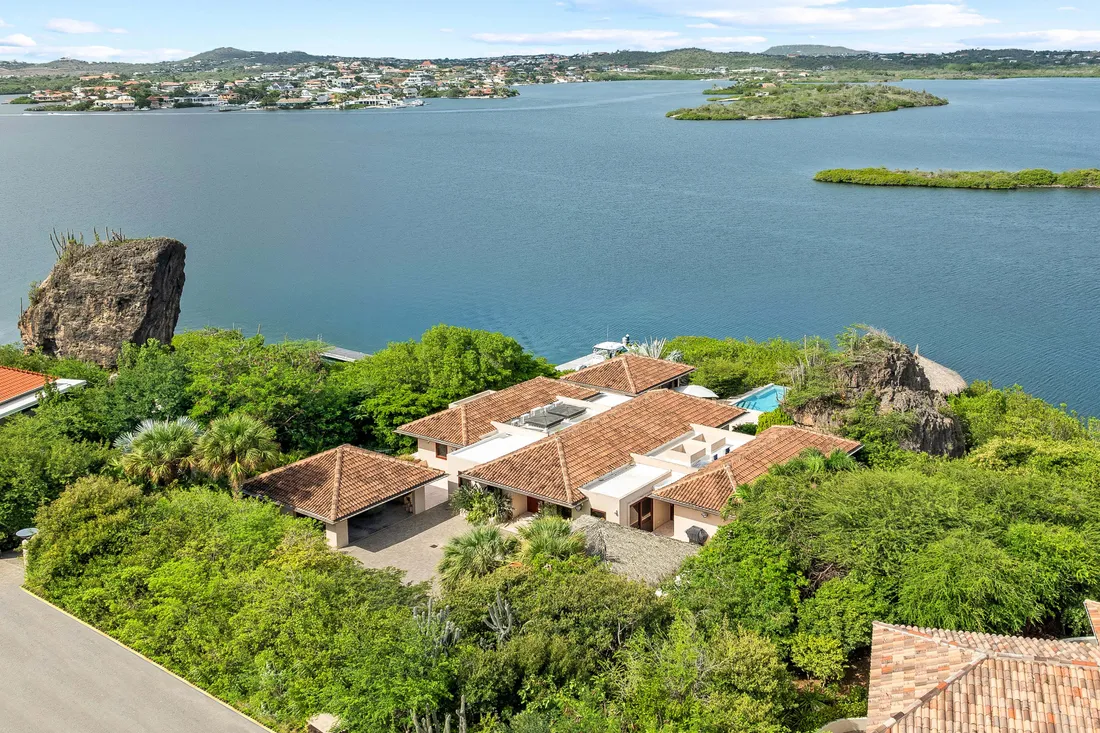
x=20, y=390
x=121, y=102
x=926, y=680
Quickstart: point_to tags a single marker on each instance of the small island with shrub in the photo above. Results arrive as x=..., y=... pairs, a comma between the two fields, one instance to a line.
x=1002, y=180
x=790, y=101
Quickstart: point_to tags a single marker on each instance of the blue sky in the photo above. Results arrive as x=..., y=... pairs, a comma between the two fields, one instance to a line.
x=145, y=31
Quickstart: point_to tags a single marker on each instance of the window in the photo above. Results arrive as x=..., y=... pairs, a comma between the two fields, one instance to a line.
x=441, y=451
x=598, y=514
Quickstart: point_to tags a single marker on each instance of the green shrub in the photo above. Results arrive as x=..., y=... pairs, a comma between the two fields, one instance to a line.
x=843, y=609
x=819, y=656
x=775, y=417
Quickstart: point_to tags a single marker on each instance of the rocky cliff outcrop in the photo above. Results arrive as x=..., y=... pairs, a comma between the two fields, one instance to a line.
x=892, y=377
x=101, y=296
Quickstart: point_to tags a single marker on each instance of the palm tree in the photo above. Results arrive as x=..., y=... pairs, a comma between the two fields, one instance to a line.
x=656, y=348
x=474, y=554
x=159, y=450
x=236, y=447
x=551, y=538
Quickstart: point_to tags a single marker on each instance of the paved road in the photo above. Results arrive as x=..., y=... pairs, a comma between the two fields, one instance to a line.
x=60, y=676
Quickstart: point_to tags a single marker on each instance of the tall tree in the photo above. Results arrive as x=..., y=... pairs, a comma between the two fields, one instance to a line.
x=474, y=554
x=159, y=450
x=236, y=447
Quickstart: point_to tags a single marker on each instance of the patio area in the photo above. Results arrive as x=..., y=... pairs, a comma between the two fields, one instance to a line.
x=413, y=544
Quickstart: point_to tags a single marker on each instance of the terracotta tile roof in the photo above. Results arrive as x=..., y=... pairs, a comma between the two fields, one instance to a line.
x=468, y=422
x=18, y=382
x=341, y=482
x=932, y=680
x=558, y=466
x=711, y=487
x=630, y=374
x=1092, y=608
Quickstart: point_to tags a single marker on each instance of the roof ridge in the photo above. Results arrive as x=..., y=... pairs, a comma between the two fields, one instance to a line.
x=337, y=480
x=463, y=431
x=564, y=468
x=48, y=377
x=933, y=691
x=627, y=374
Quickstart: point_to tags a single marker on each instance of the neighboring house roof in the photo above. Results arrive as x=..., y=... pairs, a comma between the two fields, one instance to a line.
x=18, y=382
x=634, y=553
x=926, y=680
x=557, y=467
x=340, y=483
x=20, y=389
x=710, y=488
x=630, y=374
x=469, y=421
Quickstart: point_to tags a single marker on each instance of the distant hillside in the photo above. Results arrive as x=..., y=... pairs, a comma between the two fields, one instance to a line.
x=811, y=49
x=229, y=56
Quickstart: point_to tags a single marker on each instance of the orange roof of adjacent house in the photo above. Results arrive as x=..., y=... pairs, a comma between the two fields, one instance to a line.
x=18, y=382
x=931, y=680
x=630, y=374
x=341, y=482
x=712, y=487
x=556, y=467
x=468, y=422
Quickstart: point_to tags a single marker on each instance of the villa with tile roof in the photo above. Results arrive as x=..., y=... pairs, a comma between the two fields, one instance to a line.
x=631, y=374
x=20, y=390
x=661, y=461
x=342, y=483
x=934, y=680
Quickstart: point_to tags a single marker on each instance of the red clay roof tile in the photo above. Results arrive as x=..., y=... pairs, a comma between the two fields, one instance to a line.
x=341, y=482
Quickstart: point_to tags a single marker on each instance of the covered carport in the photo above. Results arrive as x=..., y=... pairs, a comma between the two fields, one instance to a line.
x=344, y=483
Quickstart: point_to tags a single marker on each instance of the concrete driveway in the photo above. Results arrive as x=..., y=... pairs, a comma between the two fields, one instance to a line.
x=61, y=676
x=414, y=545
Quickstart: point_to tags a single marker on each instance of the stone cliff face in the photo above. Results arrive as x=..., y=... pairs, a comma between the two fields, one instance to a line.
x=101, y=296
x=898, y=383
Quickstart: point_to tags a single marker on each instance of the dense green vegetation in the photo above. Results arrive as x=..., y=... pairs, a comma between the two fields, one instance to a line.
x=214, y=376
x=1030, y=178
x=789, y=101
x=765, y=629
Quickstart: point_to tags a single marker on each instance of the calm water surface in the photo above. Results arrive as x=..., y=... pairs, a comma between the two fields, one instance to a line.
x=575, y=212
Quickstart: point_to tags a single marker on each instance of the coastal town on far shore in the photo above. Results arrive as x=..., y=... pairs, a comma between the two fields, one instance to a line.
x=345, y=85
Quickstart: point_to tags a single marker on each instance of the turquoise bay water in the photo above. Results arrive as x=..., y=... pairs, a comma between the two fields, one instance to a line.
x=577, y=212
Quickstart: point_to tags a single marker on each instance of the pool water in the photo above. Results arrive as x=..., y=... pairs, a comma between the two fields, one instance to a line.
x=765, y=400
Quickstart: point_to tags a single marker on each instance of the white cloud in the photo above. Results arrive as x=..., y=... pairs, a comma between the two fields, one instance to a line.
x=93, y=53
x=3, y=24
x=17, y=39
x=1060, y=37
x=857, y=15
x=703, y=25
x=723, y=43
x=638, y=39
x=69, y=25
x=901, y=17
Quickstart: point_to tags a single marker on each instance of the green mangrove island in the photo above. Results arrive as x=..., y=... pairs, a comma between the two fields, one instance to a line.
x=1030, y=178
x=789, y=101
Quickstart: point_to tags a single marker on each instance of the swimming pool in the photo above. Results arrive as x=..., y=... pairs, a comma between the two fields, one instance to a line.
x=765, y=399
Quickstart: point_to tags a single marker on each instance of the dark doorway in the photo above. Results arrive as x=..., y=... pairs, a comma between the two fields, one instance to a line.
x=641, y=515
x=533, y=505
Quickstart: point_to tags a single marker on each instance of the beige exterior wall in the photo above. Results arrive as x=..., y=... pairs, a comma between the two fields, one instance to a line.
x=662, y=513
x=337, y=534
x=683, y=518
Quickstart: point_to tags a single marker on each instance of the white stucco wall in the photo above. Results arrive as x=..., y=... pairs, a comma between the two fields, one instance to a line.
x=683, y=518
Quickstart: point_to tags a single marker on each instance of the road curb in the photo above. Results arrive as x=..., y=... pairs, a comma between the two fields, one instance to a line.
x=160, y=666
